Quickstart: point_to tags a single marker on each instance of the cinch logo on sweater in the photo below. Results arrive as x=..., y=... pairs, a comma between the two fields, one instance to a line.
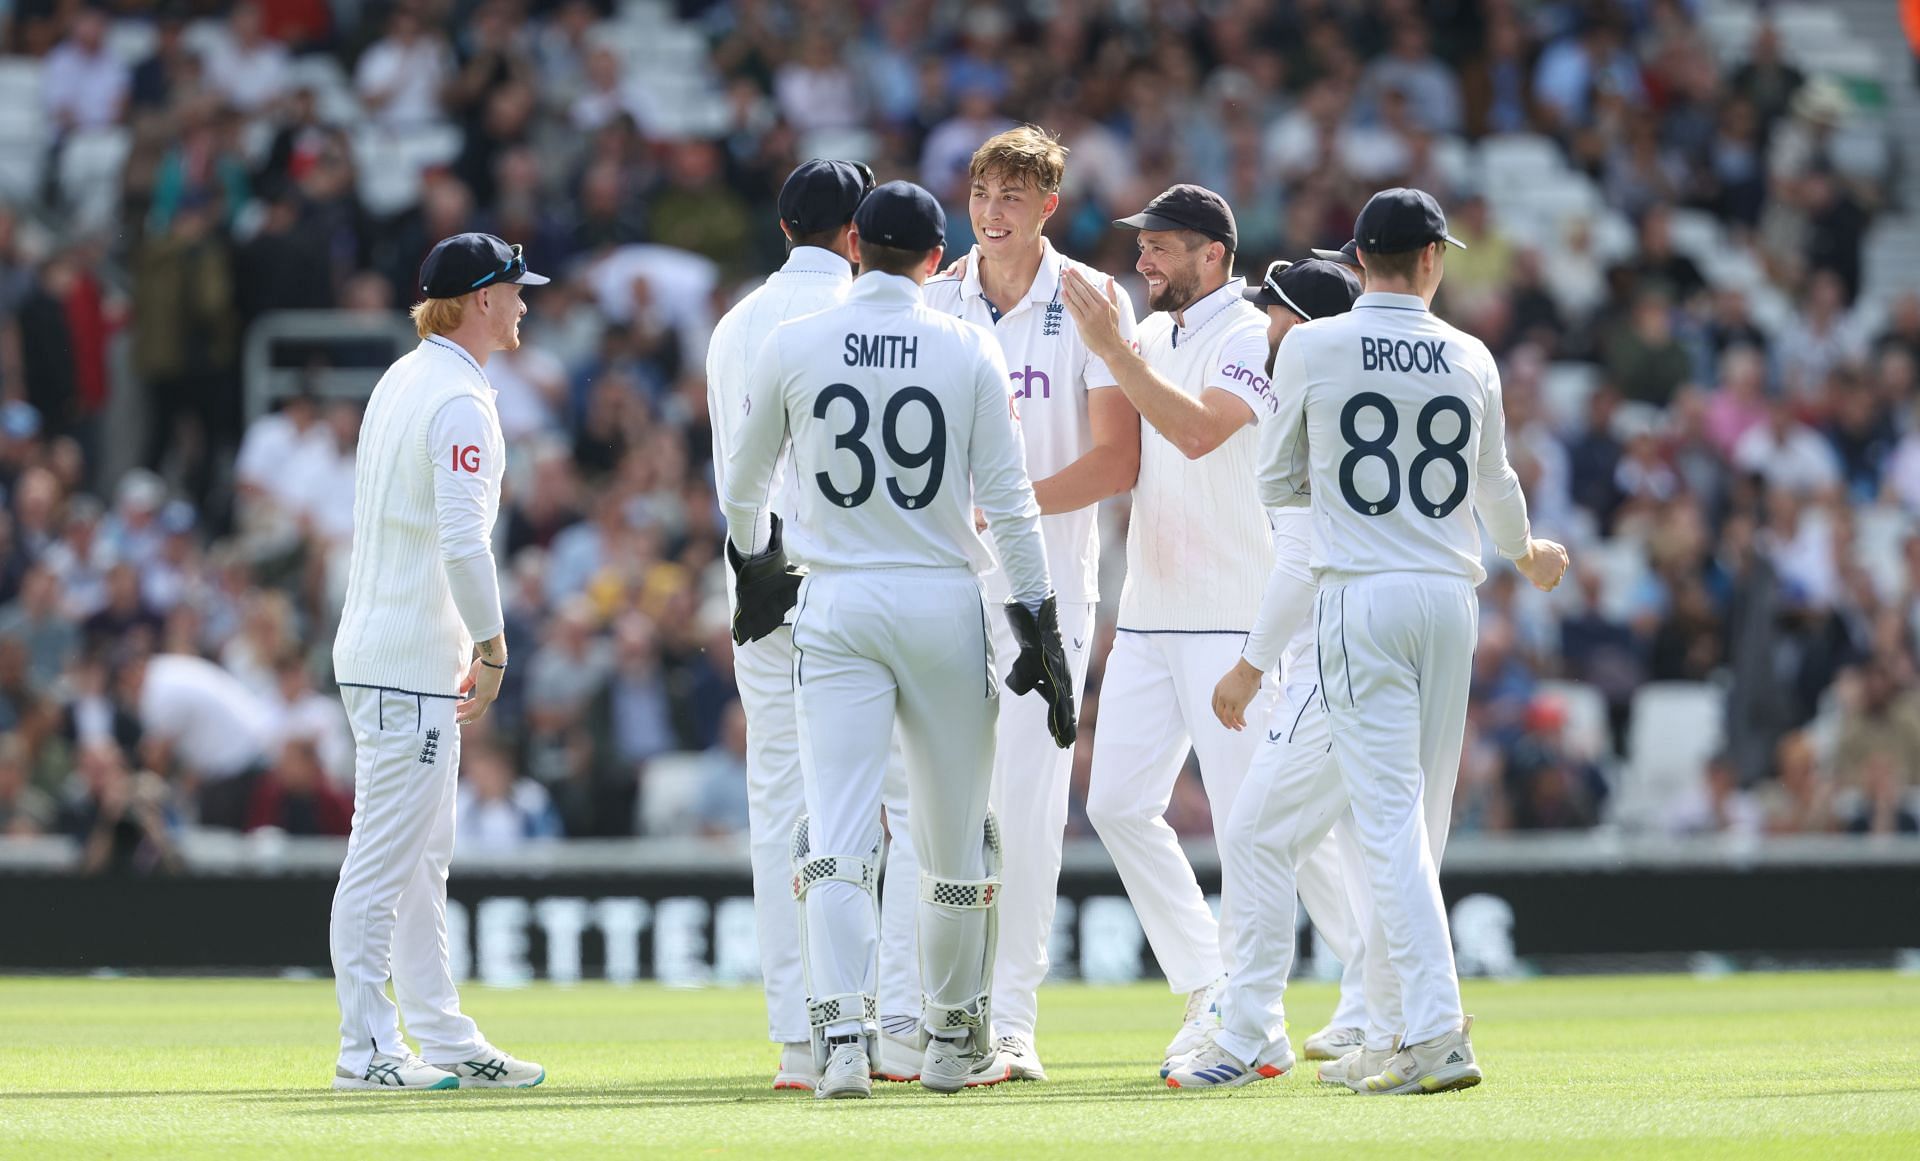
x=1262, y=386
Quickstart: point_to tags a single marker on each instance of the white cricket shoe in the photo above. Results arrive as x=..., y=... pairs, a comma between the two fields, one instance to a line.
x=1018, y=1054
x=492, y=1068
x=899, y=1059
x=846, y=1076
x=797, y=1071
x=389, y=1073
x=1355, y=1067
x=951, y=1065
x=1332, y=1043
x=1442, y=1064
x=1211, y=1066
x=1199, y=1022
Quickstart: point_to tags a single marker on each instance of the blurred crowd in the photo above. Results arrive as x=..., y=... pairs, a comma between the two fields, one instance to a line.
x=1738, y=491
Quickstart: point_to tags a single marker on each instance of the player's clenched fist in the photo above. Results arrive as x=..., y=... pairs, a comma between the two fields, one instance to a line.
x=1042, y=666
x=1544, y=564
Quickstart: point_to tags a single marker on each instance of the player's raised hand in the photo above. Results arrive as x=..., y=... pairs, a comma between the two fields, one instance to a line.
x=1234, y=692
x=1095, y=313
x=1544, y=564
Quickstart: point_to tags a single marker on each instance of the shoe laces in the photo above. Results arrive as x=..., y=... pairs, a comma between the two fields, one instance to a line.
x=1016, y=1045
x=1198, y=1003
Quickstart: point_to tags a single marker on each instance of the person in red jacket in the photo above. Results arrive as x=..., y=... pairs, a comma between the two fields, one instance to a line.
x=296, y=797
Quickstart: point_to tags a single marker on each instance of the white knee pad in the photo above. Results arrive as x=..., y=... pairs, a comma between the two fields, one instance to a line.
x=969, y=1013
x=825, y=1011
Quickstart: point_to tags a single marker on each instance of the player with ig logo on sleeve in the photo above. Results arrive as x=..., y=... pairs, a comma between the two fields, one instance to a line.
x=421, y=651
x=899, y=425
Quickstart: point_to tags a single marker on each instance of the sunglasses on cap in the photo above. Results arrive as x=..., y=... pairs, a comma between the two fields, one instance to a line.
x=1272, y=280
x=514, y=268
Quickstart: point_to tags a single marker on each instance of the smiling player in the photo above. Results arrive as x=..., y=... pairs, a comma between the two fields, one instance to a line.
x=1082, y=442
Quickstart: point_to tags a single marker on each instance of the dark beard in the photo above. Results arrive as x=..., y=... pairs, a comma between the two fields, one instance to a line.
x=1175, y=295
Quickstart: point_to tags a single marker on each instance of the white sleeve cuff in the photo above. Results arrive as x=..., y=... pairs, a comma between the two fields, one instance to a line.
x=475, y=585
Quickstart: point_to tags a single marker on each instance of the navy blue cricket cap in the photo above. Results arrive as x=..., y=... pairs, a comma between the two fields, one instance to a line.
x=902, y=215
x=464, y=263
x=1315, y=288
x=1399, y=219
x=1347, y=255
x=1189, y=207
x=822, y=195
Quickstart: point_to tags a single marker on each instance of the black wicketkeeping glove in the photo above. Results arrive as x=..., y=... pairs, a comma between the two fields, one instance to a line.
x=1042, y=666
x=765, y=585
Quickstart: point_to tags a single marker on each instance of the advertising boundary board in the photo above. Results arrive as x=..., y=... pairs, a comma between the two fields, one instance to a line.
x=697, y=927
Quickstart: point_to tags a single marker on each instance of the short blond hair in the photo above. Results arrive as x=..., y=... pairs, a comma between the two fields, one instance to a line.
x=1027, y=155
x=438, y=316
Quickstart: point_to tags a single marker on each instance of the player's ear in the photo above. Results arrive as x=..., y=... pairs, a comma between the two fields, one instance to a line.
x=786, y=231
x=933, y=261
x=1048, y=206
x=853, y=242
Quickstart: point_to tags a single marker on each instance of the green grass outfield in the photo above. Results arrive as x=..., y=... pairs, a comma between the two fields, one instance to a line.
x=1739, y=1067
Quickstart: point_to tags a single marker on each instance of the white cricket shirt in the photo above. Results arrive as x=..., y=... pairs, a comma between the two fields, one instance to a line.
x=1050, y=373
x=812, y=279
x=216, y=725
x=1391, y=421
x=1198, y=546
x=889, y=407
x=422, y=584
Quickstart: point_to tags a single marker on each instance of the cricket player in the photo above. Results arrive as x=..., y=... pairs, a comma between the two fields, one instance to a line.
x=1082, y=441
x=1290, y=294
x=421, y=651
x=900, y=425
x=816, y=207
x=1391, y=422
x=1198, y=553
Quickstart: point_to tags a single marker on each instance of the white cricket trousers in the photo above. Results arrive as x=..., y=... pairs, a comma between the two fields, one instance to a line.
x=1030, y=780
x=390, y=909
x=776, y=798
x=871, y=647
x=1156, y=700
x=1281, y=843
x=1396, y=656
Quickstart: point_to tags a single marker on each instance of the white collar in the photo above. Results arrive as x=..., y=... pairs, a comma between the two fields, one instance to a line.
x=1046, y=279
x=1385, y=301
x=1209, y=307
x=439, y=342
x=817, y=260
x=876, y=286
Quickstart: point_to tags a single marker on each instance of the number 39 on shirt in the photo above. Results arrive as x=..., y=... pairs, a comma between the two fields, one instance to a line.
x=852, y=439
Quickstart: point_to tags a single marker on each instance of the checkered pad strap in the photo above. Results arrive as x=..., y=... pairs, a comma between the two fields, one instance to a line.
x=841, y=868
x=947, y=1018
x=971, y=894
x=847, y=1006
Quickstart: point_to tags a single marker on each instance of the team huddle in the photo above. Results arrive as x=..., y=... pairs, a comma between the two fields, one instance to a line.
x=910, y=462
x=1301, y=558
